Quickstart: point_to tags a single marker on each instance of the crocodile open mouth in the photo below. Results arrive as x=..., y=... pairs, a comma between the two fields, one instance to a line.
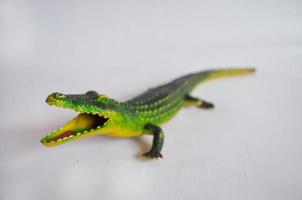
x=83, y=125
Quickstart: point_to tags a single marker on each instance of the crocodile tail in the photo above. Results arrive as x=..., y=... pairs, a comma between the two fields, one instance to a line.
x=223, y=73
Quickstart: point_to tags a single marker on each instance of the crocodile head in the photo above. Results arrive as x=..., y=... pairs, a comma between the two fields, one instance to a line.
x=96, y=114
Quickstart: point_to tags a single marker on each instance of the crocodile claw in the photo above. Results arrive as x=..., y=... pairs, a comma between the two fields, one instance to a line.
x=152, y=155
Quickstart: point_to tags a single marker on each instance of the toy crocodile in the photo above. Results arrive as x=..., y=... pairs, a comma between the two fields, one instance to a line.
x=101, y=115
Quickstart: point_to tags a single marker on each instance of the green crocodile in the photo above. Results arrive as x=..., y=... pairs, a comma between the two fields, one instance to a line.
x=101, y=115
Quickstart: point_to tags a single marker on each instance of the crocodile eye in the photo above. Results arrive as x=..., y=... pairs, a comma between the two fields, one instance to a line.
x=92, y=93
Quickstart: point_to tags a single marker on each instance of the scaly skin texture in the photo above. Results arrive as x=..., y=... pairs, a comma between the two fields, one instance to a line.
x=101, y=115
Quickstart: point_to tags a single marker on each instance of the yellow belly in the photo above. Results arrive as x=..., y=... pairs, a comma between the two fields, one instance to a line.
x=123, y=133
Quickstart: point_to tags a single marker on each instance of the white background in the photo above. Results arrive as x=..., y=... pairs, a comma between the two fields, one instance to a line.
x=249, y=147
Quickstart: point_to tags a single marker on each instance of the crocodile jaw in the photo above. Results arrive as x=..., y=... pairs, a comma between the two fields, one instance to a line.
x=84, y=125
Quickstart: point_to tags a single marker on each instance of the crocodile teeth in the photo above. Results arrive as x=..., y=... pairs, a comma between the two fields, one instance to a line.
x=79, y=133
x=59, y=140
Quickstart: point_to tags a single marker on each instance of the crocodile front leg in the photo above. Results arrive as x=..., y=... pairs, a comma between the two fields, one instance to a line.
x=158, y=141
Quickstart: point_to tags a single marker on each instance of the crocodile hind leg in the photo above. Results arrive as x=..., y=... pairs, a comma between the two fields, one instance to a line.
x=158, y=141
x=199, y=102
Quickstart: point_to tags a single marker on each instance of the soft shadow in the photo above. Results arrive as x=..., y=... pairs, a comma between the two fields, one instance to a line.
x=26, y=137
x=144, y=147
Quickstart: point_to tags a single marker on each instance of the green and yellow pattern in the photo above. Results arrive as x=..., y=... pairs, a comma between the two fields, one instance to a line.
x=101, y=115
